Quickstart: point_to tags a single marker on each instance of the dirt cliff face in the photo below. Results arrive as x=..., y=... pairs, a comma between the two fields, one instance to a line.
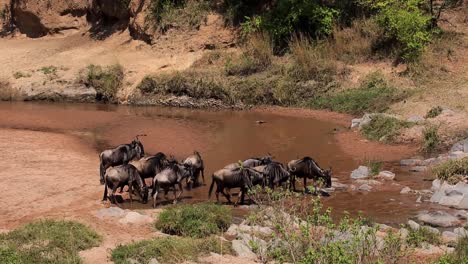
x=38, y=18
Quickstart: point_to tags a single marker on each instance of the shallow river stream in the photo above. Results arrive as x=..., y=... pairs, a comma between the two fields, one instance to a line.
x=221, y=137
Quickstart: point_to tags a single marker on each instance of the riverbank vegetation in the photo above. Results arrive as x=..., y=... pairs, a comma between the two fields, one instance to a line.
x=47, y=241
x=452, y=171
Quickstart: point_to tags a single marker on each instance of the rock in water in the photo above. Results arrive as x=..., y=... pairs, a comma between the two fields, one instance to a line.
x=365, y=187
x=410, y=162
x=405, y=190
x=439, y=219
x=360, y=173
x=386, y=175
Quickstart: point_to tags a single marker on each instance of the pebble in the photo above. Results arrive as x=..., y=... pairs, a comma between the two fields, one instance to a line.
x=405, y=190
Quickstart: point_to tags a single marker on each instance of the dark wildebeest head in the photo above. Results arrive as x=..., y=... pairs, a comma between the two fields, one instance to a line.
x=328, y=177
x=139, y=149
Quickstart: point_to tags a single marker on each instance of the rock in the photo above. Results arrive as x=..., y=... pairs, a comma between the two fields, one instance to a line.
x=386, y=175
x=365, y=187
x=339, y=186
x=461, y=187
x=430, y=161
x=405, y=190
x=463, y=204
x=368, y=182
x=418, y=168
x=432, y=230
x=419, y=199
x=447, y=112
x=410, y=162
x=460, y=146
x=110, y=212
x=232, y=231
x=415, y=119
x=453, y=198
x=403, y=233
x=360, y=173
x=457, y=155
x=153, y=261
x=413, y=225
x=384, y=227
x=135, y=218
x=436, y=184
x=441, y=192
x=461, y=231
x=449, y=238
x=355, y=122
x=439, y=219
x=461, y=214
x=242, y=250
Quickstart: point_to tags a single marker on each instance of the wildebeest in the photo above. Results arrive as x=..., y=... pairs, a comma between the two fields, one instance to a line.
x=250, y=163
x=149, y=166
x=120, y=155
x=307, y=168
x=243, y=178
x=198, y=167
x=275, y=174
x=122, y=175
x=168, y=178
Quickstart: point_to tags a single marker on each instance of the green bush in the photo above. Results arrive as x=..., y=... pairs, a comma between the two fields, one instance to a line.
x=194, y=220
x=451, y=170
x=47, y=241
x=106, y=81
x=383, y=128
x=169, y=250
x=374, y=95
x=178, y=13
x=434, y=112
x=430, y=138
x=460, y=255
x=187, y=83
x=375, y=167
x=416, y=237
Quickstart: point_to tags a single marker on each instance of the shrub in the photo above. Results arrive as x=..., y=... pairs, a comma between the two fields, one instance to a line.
x=187, y=83
x=451, y=170
x=383, y=128
x=375, y=167
x=416, y=237
x=19, y=75
x=47, y=241
x=311, y=61
x=49, y=70
x=106, y=80
x=256, y=57
x=195, y=220
x=169, y=250
x=373, y=95
x=434, y=112
x=179, y=13
x=430, y=138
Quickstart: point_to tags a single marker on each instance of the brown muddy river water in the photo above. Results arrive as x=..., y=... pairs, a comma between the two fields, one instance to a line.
x=221, y=137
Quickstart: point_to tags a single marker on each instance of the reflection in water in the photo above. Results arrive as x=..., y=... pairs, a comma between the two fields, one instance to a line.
x=222, y=137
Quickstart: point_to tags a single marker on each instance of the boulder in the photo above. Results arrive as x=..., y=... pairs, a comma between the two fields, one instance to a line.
x=436, y=184
x=405, y=190
x=431, y=229
x=411, y=162
x=232, y=231
x=449, y=238
x=386, y=175
x=365, y=187
x=413, y=225
x=135, y=218
x=463, y=204
x=111, y=212
x=460, y=146
x=461, y=231
x=439, y=219
x=461, y=188
x=415, y=119
x=452, y=199
x=360, y=173
x=355, y=122
x=242, y=250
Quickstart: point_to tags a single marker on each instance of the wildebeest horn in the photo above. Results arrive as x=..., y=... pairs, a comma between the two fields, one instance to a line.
x=137, y=137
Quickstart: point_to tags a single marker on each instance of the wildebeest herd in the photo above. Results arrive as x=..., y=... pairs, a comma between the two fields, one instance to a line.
x=127, y=165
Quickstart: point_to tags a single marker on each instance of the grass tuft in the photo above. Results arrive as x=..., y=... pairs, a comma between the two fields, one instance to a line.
x=47, y=241
x=19, y=75
x=417, y=237
x=194, y=220
x=434, y=112
x=383, y=128
x=452, y=170
x=373, y=95
x=169, y=250
x=106, y=81
x=430, y=138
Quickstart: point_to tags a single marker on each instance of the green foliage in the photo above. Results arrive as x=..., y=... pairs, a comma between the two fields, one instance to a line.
x=169, y=250
x=431, y=138
x=195, y=220
x=49, y=70
x=106, y=80
x=434, y=112
x=391, y=252
x=47, y=241
x=416, y=237
x=375, y=167
x=373, y=95
x=20, y=74
x=298, y=16
x=178, y=13
x=405, y=25
x=184, y=83
x=383, y=128
x=451, y=170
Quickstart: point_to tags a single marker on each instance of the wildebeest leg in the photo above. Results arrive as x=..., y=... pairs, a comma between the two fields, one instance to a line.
x=306, y=190
x=155, y=194
x=227, y=194
x=181, y=190
x=203, y=174
x=130, y=184
x=114, y=189
x=165, y=194
x=105, y=192
x=292, y=183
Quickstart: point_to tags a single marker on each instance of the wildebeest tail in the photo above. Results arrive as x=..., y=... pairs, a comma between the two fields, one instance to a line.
x=211, y=187
x=101, y=169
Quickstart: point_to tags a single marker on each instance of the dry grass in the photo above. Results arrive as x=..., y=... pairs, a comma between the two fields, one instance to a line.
x=8, y=93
